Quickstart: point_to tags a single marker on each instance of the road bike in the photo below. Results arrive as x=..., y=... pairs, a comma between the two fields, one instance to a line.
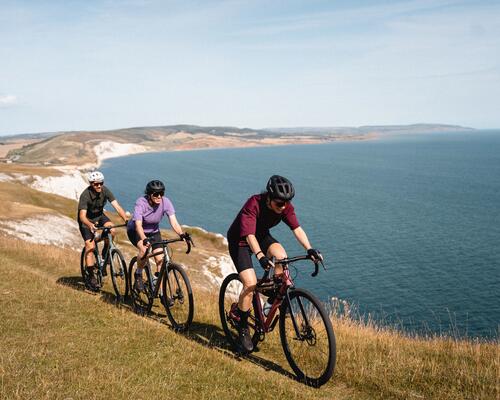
x=176, y=293
x=112, y=257
x=305, y=328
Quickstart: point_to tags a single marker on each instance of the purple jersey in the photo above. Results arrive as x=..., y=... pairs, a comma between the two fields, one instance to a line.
x=150, y=215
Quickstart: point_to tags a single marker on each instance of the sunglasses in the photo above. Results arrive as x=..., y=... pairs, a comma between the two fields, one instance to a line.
x=158, y=194
x=97, y=183
x=280, y=203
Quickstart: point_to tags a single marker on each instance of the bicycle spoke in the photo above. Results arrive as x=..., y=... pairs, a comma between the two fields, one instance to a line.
x=311, y=353
x=178, y=297
x=140, y=297
x=119, y=276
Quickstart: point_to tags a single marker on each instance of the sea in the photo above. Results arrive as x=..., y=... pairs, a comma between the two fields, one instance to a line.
x=409, y=225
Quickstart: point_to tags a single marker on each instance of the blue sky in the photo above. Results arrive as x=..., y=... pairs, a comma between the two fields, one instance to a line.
x=78, y=65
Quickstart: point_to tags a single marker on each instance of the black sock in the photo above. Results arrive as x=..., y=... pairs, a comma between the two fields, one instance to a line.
x=243, y=317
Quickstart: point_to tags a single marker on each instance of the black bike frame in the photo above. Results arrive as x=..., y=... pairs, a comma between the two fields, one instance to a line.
x=166, y=261
x=106, y=235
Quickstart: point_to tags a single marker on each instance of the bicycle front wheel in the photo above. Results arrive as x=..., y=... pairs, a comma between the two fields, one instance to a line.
x=307, y=338
x=119, y=274
x=178, y=297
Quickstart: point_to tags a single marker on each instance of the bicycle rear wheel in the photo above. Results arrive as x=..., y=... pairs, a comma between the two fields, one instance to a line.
x=119, y=274
x=83, y=269
x=178, y=297
x=309, y=344
x=140, y=298
x=228, y=298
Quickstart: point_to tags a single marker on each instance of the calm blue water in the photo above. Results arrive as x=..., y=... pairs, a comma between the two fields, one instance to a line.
x=409, y=226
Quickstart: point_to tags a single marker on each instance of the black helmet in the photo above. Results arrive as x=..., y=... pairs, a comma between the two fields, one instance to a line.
x=280, y=188
x=154, y=186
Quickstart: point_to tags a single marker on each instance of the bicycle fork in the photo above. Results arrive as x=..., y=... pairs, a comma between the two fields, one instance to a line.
x=305, y=323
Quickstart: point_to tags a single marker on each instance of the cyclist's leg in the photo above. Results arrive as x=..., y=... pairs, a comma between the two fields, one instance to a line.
x=272, y=248
x=89, y=259
x=137, y=279
x=157, y=250
x=105, y=221
x=88, y=238
x=241, y=257
x=249, y=281
x=89, y=253
x=90, y=243
x=158, y=256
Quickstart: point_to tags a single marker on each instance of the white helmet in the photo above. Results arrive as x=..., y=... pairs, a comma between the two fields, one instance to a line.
x=95, y=176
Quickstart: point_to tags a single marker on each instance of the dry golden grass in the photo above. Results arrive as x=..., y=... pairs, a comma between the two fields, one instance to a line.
x=61, y=342
x=21, y=201
x=28, y=170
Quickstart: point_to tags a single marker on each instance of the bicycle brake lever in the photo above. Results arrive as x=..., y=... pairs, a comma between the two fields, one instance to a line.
x=316, y=269
x=189, y=243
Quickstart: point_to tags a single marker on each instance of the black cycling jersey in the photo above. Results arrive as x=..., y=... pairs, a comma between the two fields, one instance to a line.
x=94, y=202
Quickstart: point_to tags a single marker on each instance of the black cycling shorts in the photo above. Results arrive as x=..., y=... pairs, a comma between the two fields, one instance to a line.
x=85, y=231
x=135, y=238
x=242, y=255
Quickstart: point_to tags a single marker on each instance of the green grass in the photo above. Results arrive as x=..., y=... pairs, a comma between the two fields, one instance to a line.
x=60, y=342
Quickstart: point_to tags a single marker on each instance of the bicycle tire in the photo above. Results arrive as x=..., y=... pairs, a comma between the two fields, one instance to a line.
x=83, y=268
x=178, y=296
x=119, y=274
x=312, y=356
x=140, y=299
x=228, y=295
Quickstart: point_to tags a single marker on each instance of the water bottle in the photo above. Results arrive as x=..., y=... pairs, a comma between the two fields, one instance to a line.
x=155, y=279
x=267, y=308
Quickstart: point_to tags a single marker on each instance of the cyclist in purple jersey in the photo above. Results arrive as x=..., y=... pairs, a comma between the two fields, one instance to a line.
x=249, y=234
x=144, y=227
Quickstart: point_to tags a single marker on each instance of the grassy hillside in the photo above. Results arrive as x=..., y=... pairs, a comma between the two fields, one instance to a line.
x=59, y=342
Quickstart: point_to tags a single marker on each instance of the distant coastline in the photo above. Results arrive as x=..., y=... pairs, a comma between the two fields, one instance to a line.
x=87, y=149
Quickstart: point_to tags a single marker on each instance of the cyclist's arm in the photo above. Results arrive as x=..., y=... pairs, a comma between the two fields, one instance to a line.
x=254, y=246
x=175, y=224
x=301, y=237
x=83, y=218
x=119, y=210
x=304, y=241
x=139, y=229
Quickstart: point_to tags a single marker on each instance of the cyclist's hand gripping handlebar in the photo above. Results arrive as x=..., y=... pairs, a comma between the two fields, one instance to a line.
x=316, y=266
x=189, y=241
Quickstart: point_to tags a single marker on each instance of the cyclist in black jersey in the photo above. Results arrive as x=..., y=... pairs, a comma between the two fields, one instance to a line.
x=91, y=214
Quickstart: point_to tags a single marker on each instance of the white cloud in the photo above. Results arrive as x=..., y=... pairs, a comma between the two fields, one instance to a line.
x=8, y=101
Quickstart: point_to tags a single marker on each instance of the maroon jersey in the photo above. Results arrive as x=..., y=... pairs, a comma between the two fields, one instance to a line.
x=255, y=218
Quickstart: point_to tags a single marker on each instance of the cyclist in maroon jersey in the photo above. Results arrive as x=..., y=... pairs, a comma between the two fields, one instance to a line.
x=249, y=234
